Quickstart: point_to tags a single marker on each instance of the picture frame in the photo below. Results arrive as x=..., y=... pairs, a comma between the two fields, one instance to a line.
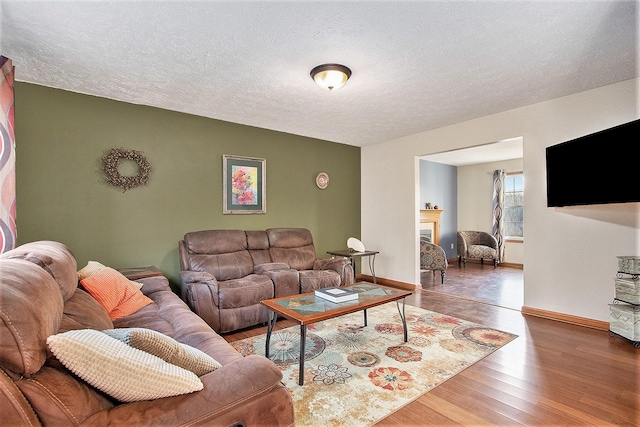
x=244, y=185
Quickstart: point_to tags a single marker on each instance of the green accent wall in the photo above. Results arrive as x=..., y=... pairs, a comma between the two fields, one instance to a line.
x=62, y=193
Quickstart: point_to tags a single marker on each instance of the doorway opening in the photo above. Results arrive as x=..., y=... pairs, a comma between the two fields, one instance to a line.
x=460, y=182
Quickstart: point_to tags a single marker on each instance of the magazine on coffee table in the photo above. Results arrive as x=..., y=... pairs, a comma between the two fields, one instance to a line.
x=337, y=294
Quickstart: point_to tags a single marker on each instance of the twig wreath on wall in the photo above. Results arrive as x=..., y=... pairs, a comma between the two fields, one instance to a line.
x=243, y=185
x=111, y=162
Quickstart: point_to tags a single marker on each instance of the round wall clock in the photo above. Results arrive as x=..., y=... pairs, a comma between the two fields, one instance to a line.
x=322, y=180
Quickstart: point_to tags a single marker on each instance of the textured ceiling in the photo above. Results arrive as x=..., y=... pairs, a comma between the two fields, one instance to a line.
x=416, y=65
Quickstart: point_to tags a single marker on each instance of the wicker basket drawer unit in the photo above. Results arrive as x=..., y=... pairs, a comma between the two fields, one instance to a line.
x=629, y=264
x=625, y=321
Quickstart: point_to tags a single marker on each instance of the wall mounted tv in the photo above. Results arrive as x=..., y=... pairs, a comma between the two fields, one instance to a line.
x=595, y=169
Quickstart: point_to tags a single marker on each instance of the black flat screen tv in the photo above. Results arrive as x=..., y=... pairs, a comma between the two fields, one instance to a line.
x=600, y=168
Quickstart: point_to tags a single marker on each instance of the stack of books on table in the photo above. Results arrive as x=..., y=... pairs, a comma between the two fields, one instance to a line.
x=337, y=294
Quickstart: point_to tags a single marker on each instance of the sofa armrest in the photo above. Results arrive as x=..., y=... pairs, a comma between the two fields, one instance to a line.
x=270, y=266
x=200, y=291
x=286, y=281
x=462, y=245
x=340, y=265
x=245, y=392
x=489, y=240
x=154, y=284
x=188, y=278
x=196, y=276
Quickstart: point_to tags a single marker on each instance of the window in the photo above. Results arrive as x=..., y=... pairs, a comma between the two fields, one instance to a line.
x=513, y=205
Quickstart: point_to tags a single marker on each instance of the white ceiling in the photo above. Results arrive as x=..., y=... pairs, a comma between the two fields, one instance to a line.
x=417, y=65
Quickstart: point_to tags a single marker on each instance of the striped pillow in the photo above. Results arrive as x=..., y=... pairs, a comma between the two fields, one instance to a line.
x=123, y=372
x=117, y=294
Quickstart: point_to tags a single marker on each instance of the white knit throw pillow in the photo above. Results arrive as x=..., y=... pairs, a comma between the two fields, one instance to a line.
x=121, y=371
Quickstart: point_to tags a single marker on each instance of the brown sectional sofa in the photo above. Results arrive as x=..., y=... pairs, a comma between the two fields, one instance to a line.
x=226, y=273
x=40, y=297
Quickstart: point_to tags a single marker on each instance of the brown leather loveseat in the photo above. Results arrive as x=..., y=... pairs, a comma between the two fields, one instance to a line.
x=226, y=273
x=40, y=298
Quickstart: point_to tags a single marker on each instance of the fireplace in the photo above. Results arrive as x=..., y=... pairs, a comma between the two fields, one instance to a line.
x=430, y=224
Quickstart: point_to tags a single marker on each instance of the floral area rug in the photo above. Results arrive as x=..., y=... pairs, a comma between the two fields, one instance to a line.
x=357, y=375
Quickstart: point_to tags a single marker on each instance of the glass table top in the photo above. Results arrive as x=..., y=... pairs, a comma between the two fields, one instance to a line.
x=312, y=304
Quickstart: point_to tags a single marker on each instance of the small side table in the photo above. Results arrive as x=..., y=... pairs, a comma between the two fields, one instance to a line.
x=135, y=273
x=351, y=254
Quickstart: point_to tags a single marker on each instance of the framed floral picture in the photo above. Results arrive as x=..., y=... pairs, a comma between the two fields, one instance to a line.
x=244, y=185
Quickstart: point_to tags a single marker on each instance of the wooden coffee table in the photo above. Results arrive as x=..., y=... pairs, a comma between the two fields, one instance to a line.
x=308, y=308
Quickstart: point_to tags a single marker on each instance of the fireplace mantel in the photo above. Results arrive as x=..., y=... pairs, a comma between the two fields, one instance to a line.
x=432, y=216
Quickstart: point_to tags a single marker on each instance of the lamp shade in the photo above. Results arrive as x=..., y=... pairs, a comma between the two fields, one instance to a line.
x=330, y=76
x=355, y=244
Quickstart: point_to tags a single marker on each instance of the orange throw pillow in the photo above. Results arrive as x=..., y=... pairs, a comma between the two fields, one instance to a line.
x=115, y=293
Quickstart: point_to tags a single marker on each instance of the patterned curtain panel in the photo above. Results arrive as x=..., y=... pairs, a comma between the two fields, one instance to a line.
x=498, y=211
x=7, y=158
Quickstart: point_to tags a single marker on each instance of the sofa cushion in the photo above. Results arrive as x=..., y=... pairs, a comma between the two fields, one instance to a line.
x=258, y=245
x=270, y=266
x=115, y=293
x=82, y=311
x=214, y=242
x=243, y=292
x=310, y=280
x=234, y=265
x=289, y=237
x=55, y=258
x=123, y=372
x=481, y=251
x=171, y=316
x=148, y=317
x=301, y=258
x=292, y=246
x=166, y=348
x=222, y=253
x=30, y=310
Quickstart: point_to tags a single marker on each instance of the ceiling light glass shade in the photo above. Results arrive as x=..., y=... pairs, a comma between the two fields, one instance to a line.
x=330, y=76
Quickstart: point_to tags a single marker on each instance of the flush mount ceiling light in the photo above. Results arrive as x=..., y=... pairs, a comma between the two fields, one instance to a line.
x=330, y=76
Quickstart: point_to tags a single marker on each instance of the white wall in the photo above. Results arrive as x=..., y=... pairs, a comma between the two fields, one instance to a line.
x=475, y=201
x=570, y=253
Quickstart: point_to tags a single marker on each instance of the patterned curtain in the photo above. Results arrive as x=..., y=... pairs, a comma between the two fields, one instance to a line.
x=7, y=158
x=498, y=211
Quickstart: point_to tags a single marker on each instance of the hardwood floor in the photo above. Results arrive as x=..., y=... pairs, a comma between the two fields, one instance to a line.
x=502, y=286
x=553, y=374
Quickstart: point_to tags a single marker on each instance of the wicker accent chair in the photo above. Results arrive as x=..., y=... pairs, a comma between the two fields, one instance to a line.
x=477, y=244
x=433, y=257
